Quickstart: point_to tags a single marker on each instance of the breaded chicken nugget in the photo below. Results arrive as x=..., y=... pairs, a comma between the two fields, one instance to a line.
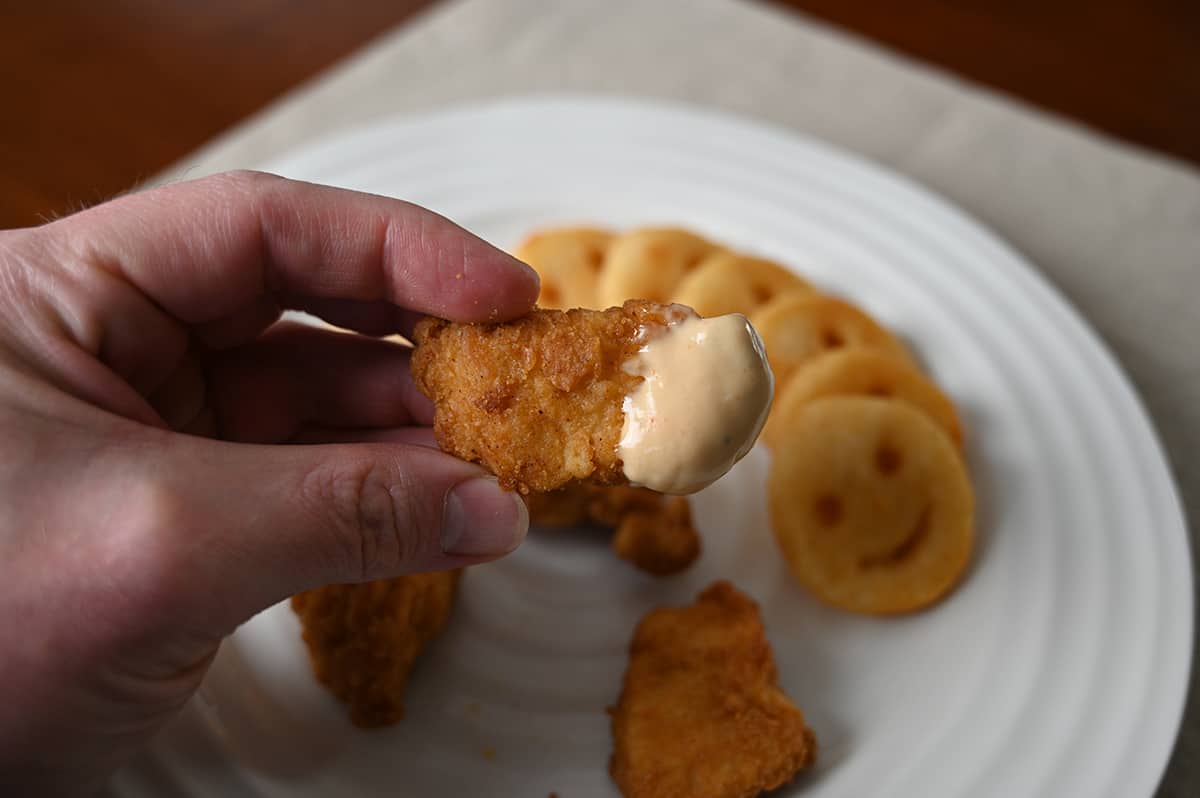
x=364, y=639
x=582, y=504
x=536, y=400
x=660, y=541
x=569, y=506
x=701, y=713
x=648, y=394
x=652, y=531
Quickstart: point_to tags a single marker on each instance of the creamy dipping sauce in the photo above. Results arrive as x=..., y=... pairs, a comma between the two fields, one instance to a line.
x=704, y=398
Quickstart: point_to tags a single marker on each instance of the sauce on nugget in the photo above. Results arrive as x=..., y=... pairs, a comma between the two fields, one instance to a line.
x=703, y=400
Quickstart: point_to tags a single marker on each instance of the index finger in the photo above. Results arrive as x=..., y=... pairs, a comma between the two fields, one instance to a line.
x=209, y=249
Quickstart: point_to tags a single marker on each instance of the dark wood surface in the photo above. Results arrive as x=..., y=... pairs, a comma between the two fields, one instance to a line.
x=100, y=95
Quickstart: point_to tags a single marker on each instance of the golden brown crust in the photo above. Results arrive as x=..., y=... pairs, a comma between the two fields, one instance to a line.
x=564, y=507
x=652, y=531
x=537, y=400
x=661, y=541
x=364, y=639
x=701, y=713
x=583, y=504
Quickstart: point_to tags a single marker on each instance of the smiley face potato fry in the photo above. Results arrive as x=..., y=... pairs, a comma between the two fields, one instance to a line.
x=568, y=260
x=871, y=504
x=649, y=263
x=726, y=282
x=862, y=372
x=798, y=327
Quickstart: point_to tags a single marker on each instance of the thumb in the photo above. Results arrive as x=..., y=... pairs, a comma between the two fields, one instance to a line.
x=247, y=526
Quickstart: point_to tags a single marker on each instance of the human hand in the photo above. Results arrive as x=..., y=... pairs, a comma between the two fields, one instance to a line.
x=145, y=507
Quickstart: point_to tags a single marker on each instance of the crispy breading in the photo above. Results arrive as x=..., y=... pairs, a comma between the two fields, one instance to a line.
x=701, y=714
x=582, y=504
x=661, y=541
x=569, y=506
x=652, y=531
x=611, y=505
x=538, y=399
x=364, y=639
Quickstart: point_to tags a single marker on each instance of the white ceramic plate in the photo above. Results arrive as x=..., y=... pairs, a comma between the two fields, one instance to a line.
x=1058, y=668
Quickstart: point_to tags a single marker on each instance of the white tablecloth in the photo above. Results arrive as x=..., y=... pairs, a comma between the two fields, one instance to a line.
x=1117, y=229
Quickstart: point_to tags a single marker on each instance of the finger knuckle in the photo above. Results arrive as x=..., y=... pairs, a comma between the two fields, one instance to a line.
x=249, y=181
x=152, y=543
x=155, y=507
x=377, y=522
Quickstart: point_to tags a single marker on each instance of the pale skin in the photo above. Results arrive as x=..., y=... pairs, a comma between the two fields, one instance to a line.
x=173, y=461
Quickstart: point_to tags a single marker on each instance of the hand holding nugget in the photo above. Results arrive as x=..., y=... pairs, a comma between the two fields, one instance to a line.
x=147, y=503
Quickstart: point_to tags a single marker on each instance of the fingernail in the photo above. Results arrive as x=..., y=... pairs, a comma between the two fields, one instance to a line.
x=479, y=518
x=534, y=278
x=529, y=270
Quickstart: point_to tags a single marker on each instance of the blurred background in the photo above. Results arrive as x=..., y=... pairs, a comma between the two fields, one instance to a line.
x=99, y=96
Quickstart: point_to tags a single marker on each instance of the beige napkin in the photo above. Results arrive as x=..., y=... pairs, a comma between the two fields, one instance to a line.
x=1115, y=228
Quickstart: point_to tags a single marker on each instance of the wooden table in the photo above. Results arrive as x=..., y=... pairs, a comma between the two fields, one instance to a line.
x=99, y=96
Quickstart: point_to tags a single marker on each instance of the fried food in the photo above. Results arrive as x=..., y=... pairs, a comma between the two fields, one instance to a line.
x=871, y=504
x=582, y=504
x=701, y=713
x=537, y=400
x=364, y=639
x=648, y=264
x=863, y=372
x=652, y=531
x=563, y=507
x=725, y=282
x=568, y=260
x=661, y=541
x=797, y=327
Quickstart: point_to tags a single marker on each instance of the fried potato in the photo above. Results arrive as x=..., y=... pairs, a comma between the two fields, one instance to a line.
x=537, y=400
x=568, y=260
x=701, y=713
x=863, y=372
x=797, y=327
x=648, y=264
x=364, y=639
x=871, y=504
x=725, y=282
